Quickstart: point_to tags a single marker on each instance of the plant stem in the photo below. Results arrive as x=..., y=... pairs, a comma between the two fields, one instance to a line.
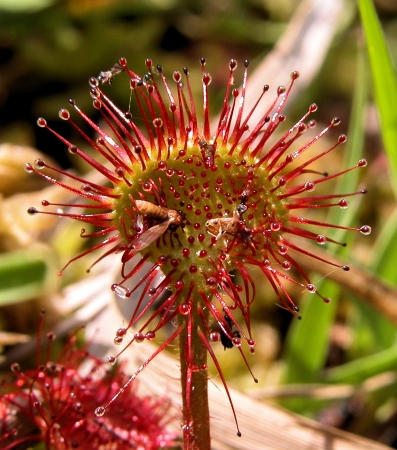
x=194, y=380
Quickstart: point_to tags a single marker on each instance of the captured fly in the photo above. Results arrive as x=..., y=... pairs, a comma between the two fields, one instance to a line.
x=219, y=226
x=225, y=339
x=168, y=217
x=231, y=225
x=107, y=76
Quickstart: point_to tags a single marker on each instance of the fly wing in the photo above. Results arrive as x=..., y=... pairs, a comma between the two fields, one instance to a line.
x=150, y=235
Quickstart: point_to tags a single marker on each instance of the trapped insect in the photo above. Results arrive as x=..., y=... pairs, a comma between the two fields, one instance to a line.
x=208, y=152
x=170, y=218
x=234, y=225
x=219, y=226
x=145, y=79
x=242, y=207
x=227, y=341
x=107, y=76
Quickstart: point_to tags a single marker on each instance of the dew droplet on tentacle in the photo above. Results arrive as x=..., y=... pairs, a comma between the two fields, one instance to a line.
x=41, y=122
x=215, y=336
x=120, y=291
x=207, y=79
x=93, y=82
x=15, y=367
x=150, y=335
x=310, y=186
x=118, y=340
x=29, y=168
x=232, y=64
x=39, y=164
x=365, y=229
x=121, y=332
x=311, y=288
x=100, y=411
x=111, y=360
x=236, y=341
x=139, y=337
x=275, y=226
x=185, y=309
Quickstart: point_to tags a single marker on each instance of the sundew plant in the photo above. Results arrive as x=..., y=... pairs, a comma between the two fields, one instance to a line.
x=203, y=205
x=52, y=405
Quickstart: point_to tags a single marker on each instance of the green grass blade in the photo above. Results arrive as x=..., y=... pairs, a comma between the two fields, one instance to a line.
x=385, y=88
x=384, y=80
x=385, y=251
x=384, y=254
x=25, y=274
x=358, y=371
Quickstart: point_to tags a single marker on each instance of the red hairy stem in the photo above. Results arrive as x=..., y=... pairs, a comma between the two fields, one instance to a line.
x=194, y=381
